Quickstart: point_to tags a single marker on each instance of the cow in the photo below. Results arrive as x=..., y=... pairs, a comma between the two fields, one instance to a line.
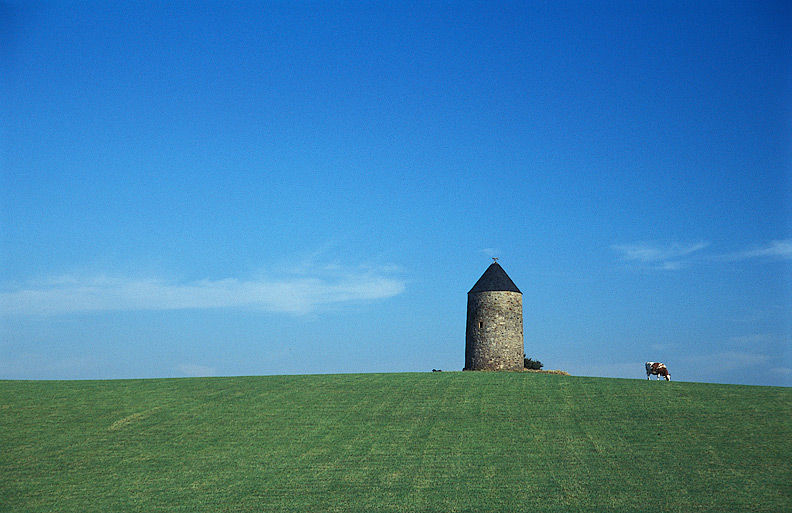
x=657, y=369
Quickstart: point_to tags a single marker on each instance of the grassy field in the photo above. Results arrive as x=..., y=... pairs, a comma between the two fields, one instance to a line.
x=394, y=442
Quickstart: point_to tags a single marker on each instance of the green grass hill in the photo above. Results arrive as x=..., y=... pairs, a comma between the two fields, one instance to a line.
x=450, y=441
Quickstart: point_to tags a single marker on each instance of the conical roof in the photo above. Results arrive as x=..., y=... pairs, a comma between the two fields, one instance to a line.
x=494, y=278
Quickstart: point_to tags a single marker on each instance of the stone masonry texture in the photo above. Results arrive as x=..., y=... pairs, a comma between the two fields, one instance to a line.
x=494, y=334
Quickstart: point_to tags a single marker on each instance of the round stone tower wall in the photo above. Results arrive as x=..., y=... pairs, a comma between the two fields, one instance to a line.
x=494, y=335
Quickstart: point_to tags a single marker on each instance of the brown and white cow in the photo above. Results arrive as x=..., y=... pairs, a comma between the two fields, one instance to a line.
x=657, y=369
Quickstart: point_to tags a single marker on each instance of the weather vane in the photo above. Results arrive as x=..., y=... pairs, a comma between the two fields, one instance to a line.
x=494, y=259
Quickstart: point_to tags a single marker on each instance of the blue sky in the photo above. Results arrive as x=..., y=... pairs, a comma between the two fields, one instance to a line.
x=313, y=187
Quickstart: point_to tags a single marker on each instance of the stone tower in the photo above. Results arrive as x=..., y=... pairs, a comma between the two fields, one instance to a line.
x=494, y=335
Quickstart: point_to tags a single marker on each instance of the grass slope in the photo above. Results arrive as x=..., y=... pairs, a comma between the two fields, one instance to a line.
x=394, y=442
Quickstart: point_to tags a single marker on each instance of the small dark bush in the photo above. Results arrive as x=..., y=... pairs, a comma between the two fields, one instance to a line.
x=532, y=364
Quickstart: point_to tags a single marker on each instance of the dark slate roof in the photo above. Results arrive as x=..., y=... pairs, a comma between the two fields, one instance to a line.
x=494, y=278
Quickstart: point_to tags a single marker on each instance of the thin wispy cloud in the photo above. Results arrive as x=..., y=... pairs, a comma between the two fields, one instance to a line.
x=673, y=257
x=195, y=371
x=669, y=257
x=776, y=250
x=730, y=360
x=752, y=340
x=291, y=294
x=653, y=253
